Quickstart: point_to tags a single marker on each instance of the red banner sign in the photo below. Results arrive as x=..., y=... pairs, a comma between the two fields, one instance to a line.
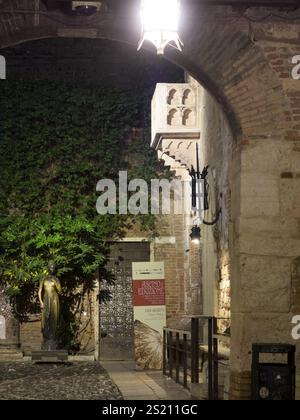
x=148, y=292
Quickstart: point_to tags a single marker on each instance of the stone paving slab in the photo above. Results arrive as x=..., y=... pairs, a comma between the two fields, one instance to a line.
x=72, y=381
x=144, y=385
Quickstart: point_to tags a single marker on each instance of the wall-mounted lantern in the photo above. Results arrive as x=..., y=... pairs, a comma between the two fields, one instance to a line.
x=160, y=24
x=197, y=179
x=197, y=176
x=196, y=235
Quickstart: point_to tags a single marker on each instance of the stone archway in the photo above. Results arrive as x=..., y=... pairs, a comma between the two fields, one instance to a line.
x=247, y=69
x=224, y=60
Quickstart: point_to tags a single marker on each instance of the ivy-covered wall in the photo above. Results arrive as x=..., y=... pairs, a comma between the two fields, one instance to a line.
x=59, y=135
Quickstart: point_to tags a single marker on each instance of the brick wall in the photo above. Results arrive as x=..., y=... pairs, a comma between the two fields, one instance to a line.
x=207, y=270
x=30, y=335
x=216, y=146
x=194, y=276
x=173, y=256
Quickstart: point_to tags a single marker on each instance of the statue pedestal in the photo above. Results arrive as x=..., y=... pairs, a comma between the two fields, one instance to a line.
x=51, y=356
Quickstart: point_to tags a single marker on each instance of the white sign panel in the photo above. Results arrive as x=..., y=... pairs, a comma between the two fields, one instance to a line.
x=149, y=313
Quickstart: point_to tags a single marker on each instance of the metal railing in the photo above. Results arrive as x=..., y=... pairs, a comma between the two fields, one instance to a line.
x=183, y=348
x=177, y=354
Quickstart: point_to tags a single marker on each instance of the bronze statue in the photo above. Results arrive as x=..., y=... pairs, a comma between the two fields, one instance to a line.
x=49, y=291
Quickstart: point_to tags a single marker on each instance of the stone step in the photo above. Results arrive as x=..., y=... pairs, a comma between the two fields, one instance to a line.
x=8, y=350
x=7, y=355
x=11, y=359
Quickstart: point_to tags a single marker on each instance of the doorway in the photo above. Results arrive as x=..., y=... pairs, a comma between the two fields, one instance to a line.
x=116, y=310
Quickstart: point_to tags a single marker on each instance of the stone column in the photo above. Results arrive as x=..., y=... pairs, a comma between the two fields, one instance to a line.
x=265, y=245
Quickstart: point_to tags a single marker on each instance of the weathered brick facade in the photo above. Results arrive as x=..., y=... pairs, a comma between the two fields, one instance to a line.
x=216, y=144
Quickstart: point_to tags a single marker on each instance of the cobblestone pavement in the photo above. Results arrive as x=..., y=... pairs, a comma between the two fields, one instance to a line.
x=74, y=381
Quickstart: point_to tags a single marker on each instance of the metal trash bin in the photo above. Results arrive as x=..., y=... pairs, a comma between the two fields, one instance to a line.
x=273, y=381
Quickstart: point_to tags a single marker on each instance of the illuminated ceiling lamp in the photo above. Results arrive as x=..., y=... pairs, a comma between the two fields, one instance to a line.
x=160, y=24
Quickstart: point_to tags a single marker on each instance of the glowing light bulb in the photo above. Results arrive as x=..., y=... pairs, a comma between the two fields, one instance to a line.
x=160, y=23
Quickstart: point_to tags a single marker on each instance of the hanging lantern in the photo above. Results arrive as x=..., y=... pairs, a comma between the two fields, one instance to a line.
x=160, y=24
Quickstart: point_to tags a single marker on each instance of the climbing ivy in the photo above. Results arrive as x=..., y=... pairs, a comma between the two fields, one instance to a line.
x=56, y=142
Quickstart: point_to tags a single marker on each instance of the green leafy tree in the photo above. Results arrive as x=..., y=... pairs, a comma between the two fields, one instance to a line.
x=56, y=142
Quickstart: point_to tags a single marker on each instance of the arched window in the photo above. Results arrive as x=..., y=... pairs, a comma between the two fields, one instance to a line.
x=172, y=118
x=188, y=97
x=172, y=97
x=188, y=118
